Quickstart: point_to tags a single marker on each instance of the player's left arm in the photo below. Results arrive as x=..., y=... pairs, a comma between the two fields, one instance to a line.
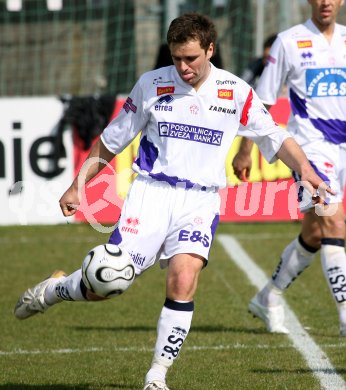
x=293, y=156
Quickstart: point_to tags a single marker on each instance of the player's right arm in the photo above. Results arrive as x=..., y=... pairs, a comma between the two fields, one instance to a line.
x=115, y=137
x=97, y=159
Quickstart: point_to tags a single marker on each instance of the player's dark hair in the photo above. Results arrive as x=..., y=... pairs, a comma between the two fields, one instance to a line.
x=192, y=26
x=269, y=41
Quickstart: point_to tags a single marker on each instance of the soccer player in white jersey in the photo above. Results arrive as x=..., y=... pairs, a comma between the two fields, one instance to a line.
x=311, y=59
x=189, y=114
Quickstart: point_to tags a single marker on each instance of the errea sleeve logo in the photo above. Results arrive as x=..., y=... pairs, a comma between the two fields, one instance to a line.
x=225, y=94
x=129, y=106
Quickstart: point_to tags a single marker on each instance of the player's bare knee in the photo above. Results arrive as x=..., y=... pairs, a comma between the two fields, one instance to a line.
x=313, y=239
x=333, y=227
x=181, y=286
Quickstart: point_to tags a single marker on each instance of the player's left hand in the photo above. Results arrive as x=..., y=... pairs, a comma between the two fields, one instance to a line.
x=318, y=188
x=242, y=164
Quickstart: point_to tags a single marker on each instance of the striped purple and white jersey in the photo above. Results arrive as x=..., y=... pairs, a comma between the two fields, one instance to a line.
x=186, y=134
x=315, y=73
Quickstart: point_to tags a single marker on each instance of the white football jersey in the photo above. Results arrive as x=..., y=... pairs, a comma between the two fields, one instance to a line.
x=315, y=73
x=186, y=134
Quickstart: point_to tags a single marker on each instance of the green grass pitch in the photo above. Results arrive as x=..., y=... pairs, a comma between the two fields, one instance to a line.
x=108, y=345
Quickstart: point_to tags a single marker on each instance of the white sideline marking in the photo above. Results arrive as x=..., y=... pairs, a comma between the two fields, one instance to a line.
x=145, y=349
x=137, y=349
x=316, y=359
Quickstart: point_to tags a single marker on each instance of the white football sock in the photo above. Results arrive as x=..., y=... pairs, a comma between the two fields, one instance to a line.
x=294, y=259
x=172, y=328
x=65, y=289
x=333, y=259
x=342, y=313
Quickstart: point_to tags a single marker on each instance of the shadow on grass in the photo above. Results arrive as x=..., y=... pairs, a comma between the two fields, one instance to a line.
x=15, y=386
x=198, y=329
x=226, y=329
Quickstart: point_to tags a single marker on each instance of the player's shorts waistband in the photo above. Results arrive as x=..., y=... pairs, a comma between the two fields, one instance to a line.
x=178, y=185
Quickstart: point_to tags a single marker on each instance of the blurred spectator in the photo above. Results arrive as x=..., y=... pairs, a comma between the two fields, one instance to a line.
x=255, y=68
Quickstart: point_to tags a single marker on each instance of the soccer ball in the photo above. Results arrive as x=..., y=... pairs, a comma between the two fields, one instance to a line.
x=108, y=270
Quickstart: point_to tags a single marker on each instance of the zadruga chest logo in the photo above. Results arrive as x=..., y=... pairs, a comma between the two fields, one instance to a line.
x=223, y=110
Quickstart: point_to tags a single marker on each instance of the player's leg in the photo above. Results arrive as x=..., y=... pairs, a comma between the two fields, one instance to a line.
x=187, y=245
x=60, y=287
x=176, y=315
x=300, y=252
x=333, y=260
x=333, y=256
x=298, y=255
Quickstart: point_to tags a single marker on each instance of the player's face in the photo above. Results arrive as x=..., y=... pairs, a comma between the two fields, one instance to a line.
x=324, y=12
x=192, y=62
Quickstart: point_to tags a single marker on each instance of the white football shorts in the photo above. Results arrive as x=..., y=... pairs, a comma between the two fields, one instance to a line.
x=329, y=162
x=159, y=221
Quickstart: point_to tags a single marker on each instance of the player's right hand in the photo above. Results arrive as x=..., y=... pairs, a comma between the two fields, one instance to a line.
x=69, y=202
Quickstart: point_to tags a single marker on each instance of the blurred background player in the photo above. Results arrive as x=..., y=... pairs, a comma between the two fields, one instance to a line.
x=255, y=68
x=311, y=59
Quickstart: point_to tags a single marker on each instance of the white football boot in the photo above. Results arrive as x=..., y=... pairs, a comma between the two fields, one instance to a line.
x=32, y=301
x=156, y=385
x=273, y=317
